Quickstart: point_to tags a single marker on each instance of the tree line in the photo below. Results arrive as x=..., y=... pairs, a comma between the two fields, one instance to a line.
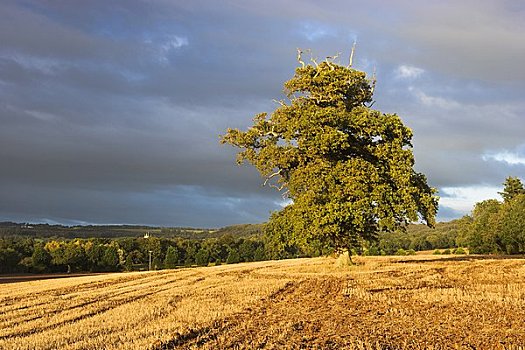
x=416, y=238
x=497, y=227
x=241, y=243
x=22, y=254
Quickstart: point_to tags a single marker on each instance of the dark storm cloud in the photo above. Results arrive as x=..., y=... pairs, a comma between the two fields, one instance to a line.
x=111, y=112
x=447, y=214
x=183, y=205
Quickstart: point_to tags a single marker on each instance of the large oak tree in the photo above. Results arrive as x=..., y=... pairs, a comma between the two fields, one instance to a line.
x=348, y=169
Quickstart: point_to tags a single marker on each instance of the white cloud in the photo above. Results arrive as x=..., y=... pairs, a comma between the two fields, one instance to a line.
x=43, y=116
x=463, y=199
x=511, y=158
x=162, y=47
x=174, y=42
x=435, y=101
x=44, y=65
x=408, y=72
x=316, y=31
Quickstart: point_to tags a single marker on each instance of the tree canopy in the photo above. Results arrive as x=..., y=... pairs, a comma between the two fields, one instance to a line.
x=347, y=168
x=511, y=188
x=497, y=227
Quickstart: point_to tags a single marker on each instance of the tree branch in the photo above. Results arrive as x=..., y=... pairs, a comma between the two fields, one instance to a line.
x=279, y=188
x=299, y=52
x=330, y=59
x=272, y=176
x=374, y=80
x=352, y=55
x=279, y=102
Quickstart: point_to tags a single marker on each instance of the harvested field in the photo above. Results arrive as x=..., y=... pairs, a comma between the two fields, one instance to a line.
x=418, y=302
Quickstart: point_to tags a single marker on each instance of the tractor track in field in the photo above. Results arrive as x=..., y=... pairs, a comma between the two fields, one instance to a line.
x=316, y=313
x=71, y=293
x=199, y=337
x=109, y=301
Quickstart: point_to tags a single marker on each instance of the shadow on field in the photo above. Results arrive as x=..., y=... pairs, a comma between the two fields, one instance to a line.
x=473, y=257
x=35, y=277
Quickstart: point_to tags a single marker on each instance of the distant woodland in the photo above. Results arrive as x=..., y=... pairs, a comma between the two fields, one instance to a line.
x=53, y=248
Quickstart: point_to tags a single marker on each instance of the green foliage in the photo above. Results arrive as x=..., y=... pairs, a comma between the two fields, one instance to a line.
x=281, y=240
x=259, y=254
x=246, y=250
x=239, y=231
x=401, y=251
x=67, y=256
x=152, y=244
x=437, y=252
x=156, y=263
x=497, y=227
x=347, y=168
x=233, y=257
x=202, y=257
x=95, y=253
x=463, y=237
x=482, y=234
x=110, y=259
x=512, y=188
x=128, y=264
x=446, y=252
x=511, y=228
x=20, y=254
x=372, y=250
x=172, y=258
x=40, y=259
x=191, y=249
x=459, y=251
x=9, y=259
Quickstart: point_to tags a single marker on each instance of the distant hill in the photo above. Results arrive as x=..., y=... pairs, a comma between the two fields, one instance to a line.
x=245, y=230
x=117, y=231
x=416, y=237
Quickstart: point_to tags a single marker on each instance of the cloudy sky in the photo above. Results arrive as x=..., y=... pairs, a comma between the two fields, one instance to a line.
x=111, y=111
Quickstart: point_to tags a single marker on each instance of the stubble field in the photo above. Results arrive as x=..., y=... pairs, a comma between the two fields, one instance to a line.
x=419, y=302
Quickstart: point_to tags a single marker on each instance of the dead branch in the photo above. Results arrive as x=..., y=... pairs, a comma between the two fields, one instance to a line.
x=330, y=59
x=279, y=188
x=272, y=176
x=374, y=80
x=334, y=57
x=299, y=52
x=352, y=55
x=279, y=102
